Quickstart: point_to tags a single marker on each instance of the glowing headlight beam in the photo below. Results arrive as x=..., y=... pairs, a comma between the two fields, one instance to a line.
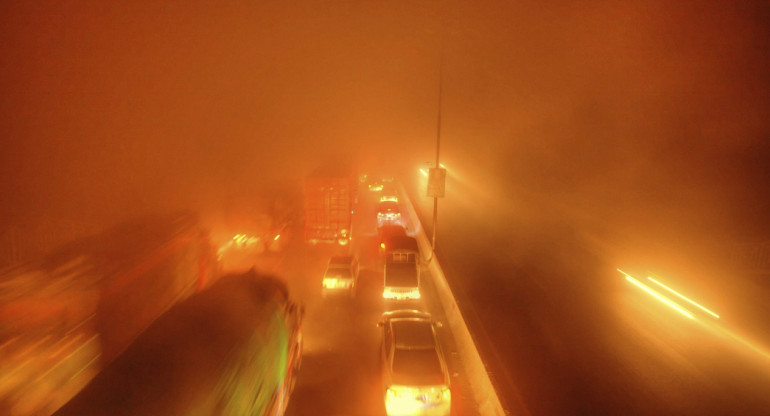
x=657, y=295
x=683, y=297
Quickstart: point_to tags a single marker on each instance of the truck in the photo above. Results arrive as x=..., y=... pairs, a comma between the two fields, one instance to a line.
x=402, y=268
x=66, y=315
x=329, y=195
x=232, y=349
x=400, y=248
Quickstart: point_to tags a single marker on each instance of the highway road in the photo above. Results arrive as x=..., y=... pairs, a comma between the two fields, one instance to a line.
x=560, y=330
x=340, y=372
x=564, y=333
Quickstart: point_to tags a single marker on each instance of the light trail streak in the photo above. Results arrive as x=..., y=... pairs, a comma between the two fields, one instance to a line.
x=424, y=172
x=684, y=297
x=657, y=295
x=758, y=349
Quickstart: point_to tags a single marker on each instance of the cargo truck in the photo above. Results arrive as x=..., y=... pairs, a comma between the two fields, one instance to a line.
x=65, y=316
x=232, y=349
x=329, y=197
x=400, y=248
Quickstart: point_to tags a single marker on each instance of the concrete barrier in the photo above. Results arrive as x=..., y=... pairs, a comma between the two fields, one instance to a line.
x=484, y=393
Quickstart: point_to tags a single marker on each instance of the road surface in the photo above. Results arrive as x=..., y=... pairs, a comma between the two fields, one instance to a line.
x=565, y=334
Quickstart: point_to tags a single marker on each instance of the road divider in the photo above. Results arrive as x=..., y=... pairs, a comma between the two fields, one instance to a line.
x=484, y=394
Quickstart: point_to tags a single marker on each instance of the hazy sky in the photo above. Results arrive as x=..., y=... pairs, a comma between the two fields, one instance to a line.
x=111, y=108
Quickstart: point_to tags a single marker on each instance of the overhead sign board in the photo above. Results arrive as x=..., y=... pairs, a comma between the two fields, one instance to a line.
x=436, y=182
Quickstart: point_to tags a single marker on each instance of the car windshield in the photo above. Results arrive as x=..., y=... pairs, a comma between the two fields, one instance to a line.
x=400, y=275
x=340, y=273
x=417, y=367
x=413, y=333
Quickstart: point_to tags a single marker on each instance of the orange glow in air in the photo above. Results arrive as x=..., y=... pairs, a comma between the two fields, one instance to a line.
x=657, y=296
x=683, y=297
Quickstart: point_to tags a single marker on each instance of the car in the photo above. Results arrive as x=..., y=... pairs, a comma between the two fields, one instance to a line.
x=388, y=232
x=388, y=212
x=415, y=375
x=375, y=186
x=341, y=276
x=401, y=281
x=388, y=197
x=388, y=193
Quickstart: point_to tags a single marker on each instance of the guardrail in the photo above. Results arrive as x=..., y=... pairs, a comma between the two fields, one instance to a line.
x=484, y=393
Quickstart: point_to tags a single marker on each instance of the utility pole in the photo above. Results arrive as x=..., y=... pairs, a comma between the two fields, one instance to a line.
x=438, y=147
x=437, y=175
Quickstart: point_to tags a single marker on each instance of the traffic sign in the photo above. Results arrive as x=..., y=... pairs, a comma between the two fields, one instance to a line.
x=436, y=182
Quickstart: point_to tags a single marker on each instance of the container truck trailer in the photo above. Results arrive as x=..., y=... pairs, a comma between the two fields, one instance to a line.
x=232, y=349
x=329, y=197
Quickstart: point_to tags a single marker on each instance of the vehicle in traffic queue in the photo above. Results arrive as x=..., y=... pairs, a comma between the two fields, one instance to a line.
x=389, y=197
x=341, y=276
x=415, y=375
x=402, y=268
x=329, y=196
x=387, y=233
x=400, y=248
x=376, y=183
x=375, y=186
x=388, y=192
x=401, y=281
x=388, y=212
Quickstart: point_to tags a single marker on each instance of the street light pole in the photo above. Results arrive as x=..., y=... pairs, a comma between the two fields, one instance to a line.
x=438, y=147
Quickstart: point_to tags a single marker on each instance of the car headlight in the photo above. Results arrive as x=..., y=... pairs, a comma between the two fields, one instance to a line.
x=400, y=401
x=446, y=393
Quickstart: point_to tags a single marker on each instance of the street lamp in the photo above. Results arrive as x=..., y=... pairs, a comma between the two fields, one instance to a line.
x=437, y=174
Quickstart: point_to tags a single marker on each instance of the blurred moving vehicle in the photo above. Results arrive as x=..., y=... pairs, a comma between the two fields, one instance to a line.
x=232, y=349
x=388, y=212
x=400, y=248
x=248, y=225
x=341, y=276
x=329, y=197
x=415, y=376
x=65, y=316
